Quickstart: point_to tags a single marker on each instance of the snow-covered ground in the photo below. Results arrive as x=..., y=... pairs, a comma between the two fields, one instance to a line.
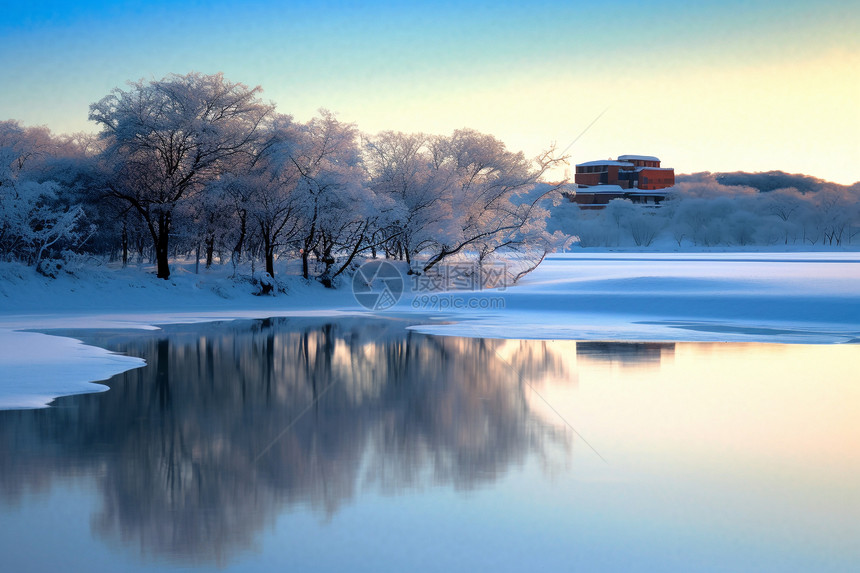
x=810, y=297
x=772, y=297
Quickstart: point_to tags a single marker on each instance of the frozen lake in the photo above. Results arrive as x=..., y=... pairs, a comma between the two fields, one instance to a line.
x=357, y=445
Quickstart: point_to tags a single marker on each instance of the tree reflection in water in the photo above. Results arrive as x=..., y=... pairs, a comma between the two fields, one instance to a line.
x=230, y=423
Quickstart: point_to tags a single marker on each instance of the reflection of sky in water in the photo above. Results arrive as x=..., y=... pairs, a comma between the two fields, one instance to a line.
x=428, y=453
x=740, y=455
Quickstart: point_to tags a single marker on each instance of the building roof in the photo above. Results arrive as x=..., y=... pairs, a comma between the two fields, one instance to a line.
x=665, y=191
x=637, y=158
x=600, y=189
x=605, y=162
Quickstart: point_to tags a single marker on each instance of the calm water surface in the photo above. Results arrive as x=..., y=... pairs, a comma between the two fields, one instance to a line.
x=359, y=446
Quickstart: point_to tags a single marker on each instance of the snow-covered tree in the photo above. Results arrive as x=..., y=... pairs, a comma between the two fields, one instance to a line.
x=24, y=148
x=265, y=195
x=834, y=211
x=642, y=224
x=166, y=139
x=33, y=216
x=785, y=207
x=478, y=207
x=335, y=208
x=401, y=167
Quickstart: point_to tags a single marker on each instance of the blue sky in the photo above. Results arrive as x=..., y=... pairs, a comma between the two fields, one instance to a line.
x=753, y=85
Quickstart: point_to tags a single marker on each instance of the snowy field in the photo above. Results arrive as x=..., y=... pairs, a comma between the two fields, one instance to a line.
x=811, y=297
x=763, y=297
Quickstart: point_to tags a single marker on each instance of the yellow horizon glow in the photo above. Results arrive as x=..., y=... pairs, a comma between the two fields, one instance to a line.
x=705, y=87
x=798, y=116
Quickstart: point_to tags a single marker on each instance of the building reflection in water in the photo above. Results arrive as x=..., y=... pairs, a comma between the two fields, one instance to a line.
x=627, y=353
x=230, y=424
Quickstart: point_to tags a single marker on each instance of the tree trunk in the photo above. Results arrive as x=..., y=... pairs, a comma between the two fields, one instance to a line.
x=240, y=243
x=124, y=243
x=270, y=257
x=267, y=285
x=432, y=262
x=210, y=248
x=162, y=246
x=308, y=243
x=357, y=249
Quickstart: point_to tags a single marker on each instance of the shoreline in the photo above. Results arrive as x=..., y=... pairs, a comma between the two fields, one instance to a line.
x=799, y=297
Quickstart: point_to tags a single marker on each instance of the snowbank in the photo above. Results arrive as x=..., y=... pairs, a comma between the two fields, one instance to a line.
x=809, y=297
x=35, y=368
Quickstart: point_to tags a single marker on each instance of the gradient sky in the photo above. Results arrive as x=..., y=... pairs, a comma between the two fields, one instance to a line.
x=707, y=86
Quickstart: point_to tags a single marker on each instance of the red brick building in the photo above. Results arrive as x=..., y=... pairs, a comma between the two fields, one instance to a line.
x=628, y=177
x=628, y=172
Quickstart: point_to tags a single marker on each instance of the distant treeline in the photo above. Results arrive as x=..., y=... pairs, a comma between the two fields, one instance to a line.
x=726, y=210
x=770, y=181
